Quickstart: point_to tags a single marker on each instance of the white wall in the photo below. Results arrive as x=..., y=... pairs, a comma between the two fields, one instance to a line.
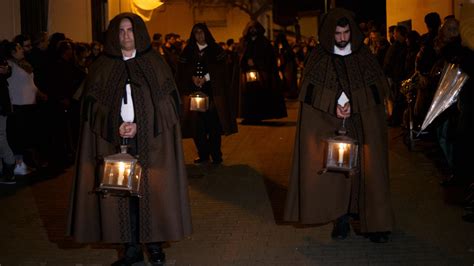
x=71, y=17
x=10, y=20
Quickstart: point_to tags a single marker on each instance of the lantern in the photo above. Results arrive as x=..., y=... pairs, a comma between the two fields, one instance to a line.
x=341, y=153
x=199, y=102
x=252, y=75
x=121, y=175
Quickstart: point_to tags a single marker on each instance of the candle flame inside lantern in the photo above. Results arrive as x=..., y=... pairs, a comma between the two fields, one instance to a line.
x=342, y=147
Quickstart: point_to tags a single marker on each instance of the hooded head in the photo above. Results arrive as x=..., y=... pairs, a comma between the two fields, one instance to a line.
x=327, y=30
x=253, y=28
x=200, y=30
x=141, y=38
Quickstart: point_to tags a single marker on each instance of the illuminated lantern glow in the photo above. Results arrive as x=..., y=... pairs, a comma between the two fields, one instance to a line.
x=121, y=175
x=342, y=153
x=252, y=75
x=199, y=102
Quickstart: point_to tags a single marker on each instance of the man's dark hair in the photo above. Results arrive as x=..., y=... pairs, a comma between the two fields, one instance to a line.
x=342, y=22
x=433, y=20
x=9, y=48
x=21, y=38
x=169, y=36
x=156, y=36
x=449, y=17
x=230, y=42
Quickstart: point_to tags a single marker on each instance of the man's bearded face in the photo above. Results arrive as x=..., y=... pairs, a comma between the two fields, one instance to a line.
x=342, y=36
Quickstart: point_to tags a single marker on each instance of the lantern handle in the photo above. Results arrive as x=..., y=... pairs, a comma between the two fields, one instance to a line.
x=124, y=145
x=343, y=131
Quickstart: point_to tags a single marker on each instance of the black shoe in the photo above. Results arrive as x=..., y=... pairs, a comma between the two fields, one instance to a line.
x=341, y=228
x=7, y=181
x=156, y=255
x=133, y=254
x=8, y=177
x=379, y=237
x=201, y=161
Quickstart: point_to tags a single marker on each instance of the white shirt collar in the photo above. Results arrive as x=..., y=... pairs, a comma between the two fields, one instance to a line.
x=133, y=55
x=344, y=51
x=201, y=46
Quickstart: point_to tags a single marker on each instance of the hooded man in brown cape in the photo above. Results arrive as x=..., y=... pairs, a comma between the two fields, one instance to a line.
x=130, y=93
x=262, y=98
x=203, y=67
x=342, y=80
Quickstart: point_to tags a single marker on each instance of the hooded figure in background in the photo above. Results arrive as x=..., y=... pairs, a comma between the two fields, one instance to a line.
x=342, y=80
x=203, y=67
x=262, y=98
x=130, y=93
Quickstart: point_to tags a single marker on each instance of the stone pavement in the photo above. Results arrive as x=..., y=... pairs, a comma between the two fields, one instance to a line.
x=237, y=213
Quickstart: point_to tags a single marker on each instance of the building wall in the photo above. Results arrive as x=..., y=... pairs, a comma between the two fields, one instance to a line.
x=10, y=21
x=309, y=26
x=179, y=17
x=71, y=17
x=401, y=10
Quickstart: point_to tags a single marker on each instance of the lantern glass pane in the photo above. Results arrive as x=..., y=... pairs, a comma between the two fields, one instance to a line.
x=117, y=174
x=341, y=154
x=136, y=178
x=199, y=102
x=251, y=76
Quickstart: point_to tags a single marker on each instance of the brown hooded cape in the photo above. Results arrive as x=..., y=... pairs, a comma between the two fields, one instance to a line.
x=317, y=199
x=164, y=212
x=262, y=99
x=221, y=98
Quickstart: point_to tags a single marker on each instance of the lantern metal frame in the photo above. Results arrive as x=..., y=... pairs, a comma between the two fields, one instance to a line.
x=198, y=101
x=130, y=176
x=342, y=153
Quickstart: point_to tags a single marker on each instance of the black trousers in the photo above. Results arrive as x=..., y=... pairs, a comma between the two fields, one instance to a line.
x=134, y=204
x=135, y=229
x=207, y=135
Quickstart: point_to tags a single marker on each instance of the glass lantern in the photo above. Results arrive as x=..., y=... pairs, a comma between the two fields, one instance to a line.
x=199, y=102
x=121, y=175
x=252, y=75
x=342, y=153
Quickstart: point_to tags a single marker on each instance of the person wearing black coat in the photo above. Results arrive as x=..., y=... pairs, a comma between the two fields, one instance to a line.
x=6, y=154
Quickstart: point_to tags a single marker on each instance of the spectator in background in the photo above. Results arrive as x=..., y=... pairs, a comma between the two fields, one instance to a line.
x=391, y=32
x=394, y=68
x=427, y=55
x=170, y=51
x=23, y=94
x=64, y=80
x=7, y=158
x=233, y=74
x=96, y=51
x=287, y=67
x=25, y=43
x=157, y=42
